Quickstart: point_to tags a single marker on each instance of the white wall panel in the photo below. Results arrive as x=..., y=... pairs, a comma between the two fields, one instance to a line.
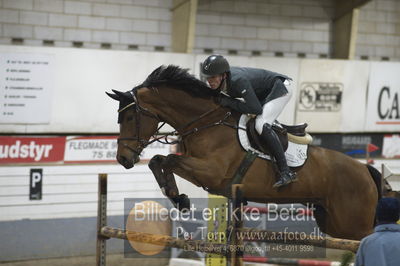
x=79, y=104
x=352, y=77
x=383, y=113
x=355, y=80
x=71, y=190
x=82, y=76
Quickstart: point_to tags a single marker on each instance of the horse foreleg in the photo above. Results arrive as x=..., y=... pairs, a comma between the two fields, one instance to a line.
x=166, y=180
x=167, y=185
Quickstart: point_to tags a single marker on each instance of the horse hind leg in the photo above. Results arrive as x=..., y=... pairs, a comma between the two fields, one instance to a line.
x=166, y=180
x=324, y=221
x=348, y=222
x=320, y=216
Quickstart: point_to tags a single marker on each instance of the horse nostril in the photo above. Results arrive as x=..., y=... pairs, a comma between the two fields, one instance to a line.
x=125, y=162
x=121, y=159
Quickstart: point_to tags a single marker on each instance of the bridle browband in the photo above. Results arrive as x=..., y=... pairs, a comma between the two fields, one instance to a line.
x=179, y=132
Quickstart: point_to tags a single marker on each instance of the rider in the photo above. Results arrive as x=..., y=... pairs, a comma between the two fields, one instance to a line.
x=265, y=94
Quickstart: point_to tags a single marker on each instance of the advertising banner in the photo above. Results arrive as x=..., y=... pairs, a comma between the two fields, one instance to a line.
x=383, y=106
x=91, y=149
x=354, y=145
x=71, y=149
x=94, y=149
x=31, y=149
x=331, y=95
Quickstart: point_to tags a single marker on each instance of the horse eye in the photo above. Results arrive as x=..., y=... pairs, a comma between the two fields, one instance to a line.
x=129, y=118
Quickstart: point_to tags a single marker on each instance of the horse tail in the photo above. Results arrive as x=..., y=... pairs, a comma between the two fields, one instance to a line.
x=377, y=177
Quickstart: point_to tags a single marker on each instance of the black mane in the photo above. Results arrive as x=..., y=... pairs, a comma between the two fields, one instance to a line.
x=175, y=76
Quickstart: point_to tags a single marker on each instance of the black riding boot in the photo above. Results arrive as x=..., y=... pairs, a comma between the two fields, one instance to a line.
x=275, y=148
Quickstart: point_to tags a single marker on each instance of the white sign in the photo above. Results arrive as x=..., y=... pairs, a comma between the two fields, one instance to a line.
x=26, y=84
x=383, y=103
x=331, y=95
x=104, y=149
x=90, y=149
x=391, y=146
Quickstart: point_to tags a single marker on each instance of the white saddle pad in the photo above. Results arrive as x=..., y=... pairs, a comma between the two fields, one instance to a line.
x=296, y=154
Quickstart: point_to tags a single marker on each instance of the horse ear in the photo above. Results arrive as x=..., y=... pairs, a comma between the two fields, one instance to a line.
x=120, y=94
x=113, y=96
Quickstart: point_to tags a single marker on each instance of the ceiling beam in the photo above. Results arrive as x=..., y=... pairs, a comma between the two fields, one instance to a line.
x=345, y=35
x=183, y=25
x=343, y=7
x=345, y=28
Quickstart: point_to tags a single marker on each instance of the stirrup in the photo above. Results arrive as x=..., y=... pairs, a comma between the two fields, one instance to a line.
x=285, y=179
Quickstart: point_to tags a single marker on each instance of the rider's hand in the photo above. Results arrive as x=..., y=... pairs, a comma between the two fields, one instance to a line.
x=222, y=100
x=226, y=101
x=217, y=99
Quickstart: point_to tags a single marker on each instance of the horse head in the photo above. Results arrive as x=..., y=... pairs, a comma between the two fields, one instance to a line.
x=169, y=95
x=137, y=126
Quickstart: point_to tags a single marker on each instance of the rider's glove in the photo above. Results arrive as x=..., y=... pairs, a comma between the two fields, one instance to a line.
x=217, y=99
x=223, y=100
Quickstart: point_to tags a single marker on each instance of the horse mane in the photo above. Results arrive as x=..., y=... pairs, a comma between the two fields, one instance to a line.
x=174, y=76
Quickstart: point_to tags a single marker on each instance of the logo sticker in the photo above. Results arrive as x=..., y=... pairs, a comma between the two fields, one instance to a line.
x=324, y=97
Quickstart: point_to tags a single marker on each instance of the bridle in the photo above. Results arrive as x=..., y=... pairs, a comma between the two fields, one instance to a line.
x=164, y=138
x=139, y=110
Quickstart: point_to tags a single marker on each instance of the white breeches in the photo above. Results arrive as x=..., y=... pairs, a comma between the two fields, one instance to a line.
x=272, y=109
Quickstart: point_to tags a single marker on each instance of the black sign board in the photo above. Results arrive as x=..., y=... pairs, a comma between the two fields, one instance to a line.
x=35, y=184
x=352, y=144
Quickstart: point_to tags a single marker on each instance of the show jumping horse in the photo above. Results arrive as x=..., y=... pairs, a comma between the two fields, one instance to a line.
x=344, y=190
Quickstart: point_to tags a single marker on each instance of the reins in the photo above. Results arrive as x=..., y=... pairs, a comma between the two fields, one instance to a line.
x=181, y=133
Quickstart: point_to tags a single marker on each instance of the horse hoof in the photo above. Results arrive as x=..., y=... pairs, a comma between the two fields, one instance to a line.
x=182, y=202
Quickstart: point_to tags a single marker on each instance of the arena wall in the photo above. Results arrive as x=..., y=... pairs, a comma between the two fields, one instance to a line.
x=288, y=28
x=330, y=95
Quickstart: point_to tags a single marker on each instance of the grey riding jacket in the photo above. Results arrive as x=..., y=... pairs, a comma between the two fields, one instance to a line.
x=255, y=86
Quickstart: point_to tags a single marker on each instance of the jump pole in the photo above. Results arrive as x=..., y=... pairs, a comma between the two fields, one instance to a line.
x=285, y=238
x=285, y=261
x=101, y=220
x=164, y=240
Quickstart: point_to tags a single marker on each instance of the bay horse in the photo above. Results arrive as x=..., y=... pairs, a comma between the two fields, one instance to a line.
x=344, y=190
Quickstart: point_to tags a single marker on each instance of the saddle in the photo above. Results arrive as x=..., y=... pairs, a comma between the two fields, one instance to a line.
x=297, y=133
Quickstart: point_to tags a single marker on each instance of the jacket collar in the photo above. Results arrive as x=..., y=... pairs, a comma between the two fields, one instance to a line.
x=387, y=227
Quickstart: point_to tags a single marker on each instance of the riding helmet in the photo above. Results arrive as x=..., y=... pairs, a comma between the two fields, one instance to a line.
x=214, y=65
